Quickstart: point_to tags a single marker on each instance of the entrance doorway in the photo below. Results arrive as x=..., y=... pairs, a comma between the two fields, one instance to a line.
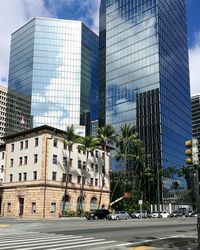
x=21, y=206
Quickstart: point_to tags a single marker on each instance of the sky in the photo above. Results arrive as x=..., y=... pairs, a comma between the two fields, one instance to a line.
x=15, y=13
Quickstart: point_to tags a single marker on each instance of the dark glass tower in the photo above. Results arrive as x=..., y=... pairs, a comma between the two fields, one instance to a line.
x=147, y=75
x=55, y=64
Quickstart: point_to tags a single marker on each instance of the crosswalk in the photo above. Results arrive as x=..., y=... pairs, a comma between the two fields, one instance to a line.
x=39, y=241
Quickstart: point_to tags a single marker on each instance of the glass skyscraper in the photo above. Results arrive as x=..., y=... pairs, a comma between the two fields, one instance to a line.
x=147, y=75
x=54, y=62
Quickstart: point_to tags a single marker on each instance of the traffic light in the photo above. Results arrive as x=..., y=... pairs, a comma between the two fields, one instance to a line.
x=192, y=152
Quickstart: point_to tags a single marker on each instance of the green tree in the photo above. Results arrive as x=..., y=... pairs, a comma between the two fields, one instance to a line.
x=87, y=144
x=106, y=138
x=125, y=147
x=70, y=140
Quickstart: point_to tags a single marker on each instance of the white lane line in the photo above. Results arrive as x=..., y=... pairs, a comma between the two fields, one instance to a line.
x=152, y=240
x=61, y=245
x=82, y=245
x=124, y=244
x=35, y=245
x=15, y=240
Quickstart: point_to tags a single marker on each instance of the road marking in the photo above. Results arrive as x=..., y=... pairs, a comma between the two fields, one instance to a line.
x=39, y=239
x=4, y=225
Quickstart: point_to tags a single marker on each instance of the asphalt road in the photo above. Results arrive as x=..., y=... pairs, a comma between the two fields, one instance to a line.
x=123, y=232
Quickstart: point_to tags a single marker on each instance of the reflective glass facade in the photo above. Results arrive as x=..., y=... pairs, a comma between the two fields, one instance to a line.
x=55, y=63
x=147, y=75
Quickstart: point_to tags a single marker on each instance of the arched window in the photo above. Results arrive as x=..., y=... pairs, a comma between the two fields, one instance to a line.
x=65, y=203
x=93, y=204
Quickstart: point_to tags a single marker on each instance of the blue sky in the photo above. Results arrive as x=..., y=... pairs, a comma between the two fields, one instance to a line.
x=15, y=13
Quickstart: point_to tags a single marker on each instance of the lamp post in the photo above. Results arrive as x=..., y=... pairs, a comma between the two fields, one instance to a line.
x=197, y=202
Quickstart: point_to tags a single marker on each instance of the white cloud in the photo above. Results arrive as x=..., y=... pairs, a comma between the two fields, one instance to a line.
x=194, y=58
x=15, y=13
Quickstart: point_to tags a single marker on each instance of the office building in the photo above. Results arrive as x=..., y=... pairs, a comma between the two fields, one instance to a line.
x=147, y=75
x=35, y=167
x=54, y=63
x=195, y=102
x=14, y=111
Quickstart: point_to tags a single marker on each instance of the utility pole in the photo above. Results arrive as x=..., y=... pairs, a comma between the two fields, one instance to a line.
x=193, y=161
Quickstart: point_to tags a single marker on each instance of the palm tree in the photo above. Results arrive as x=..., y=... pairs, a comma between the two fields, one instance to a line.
x=106, y=137
x=126, y=141
x=87, y=144
x=70, y=139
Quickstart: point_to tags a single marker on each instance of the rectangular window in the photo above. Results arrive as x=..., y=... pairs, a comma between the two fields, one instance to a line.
x=2, y=168
x=2, y=156
x=55, y=143
x=79, y=179
x=92, y=167
x=84, y=152
x=53, y=207
x=96, y=168
x=36, y=142
x=20, y=161
x=21, y=145
x=1, y=182
x=91, y=181
x=25, y=160
x=11, y=163
x=54, y=159
x=34, y=175
x=26, y=144
x=12, y=147
x=96, y=182
x=64, y=161
x=96, y=154
x=11, y=178
x=71, y=160
x=54, y=176
x=79, y=164
x=92, y=153
x=25, y=176
x=35, y=158
x=84, y=165
x=33, y=208
x=20, y=177
x=79, y=150
x=9, y=207
x=103, y=155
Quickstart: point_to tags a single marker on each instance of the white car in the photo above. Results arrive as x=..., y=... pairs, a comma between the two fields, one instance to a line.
x=121, y=215
x=163, y=214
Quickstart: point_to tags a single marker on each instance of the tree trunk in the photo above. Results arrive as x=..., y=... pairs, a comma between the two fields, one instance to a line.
x=66, y=182
x=102, y=177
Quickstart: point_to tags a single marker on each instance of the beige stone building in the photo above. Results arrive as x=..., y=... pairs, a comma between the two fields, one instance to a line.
x=35, y=164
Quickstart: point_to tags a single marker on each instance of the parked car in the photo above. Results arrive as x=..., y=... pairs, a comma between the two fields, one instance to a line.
x=121, y=215
x=194, y=214
x=189, y=213
x=138, y=214
x=98, y=214
x=163, y=214
x=177, y=214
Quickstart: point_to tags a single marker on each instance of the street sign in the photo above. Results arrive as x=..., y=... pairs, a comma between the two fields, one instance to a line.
x=140, y=202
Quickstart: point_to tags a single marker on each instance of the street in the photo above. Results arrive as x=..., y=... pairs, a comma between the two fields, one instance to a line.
x=78, y=233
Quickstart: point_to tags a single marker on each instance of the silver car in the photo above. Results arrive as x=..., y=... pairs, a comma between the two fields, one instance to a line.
x=121, y=215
